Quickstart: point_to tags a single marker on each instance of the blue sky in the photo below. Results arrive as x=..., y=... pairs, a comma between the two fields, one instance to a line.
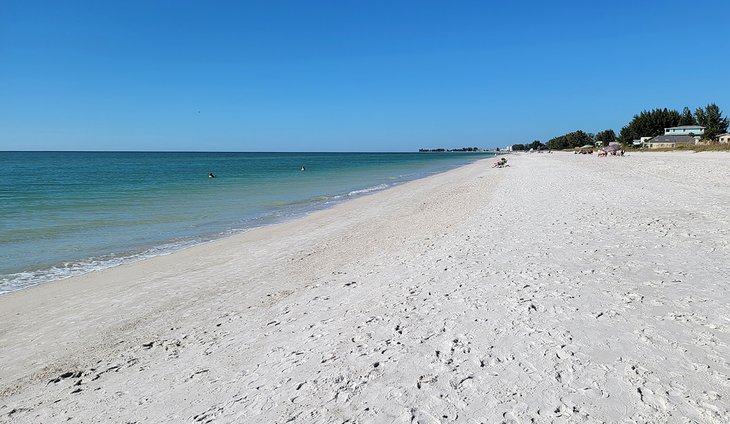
x=347, y=75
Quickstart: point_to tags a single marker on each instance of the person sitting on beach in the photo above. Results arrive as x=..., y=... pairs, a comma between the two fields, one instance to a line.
x=501, y=163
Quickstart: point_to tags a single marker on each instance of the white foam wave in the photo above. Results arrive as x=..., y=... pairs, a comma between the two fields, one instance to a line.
x=368, y=190
x=21, y=280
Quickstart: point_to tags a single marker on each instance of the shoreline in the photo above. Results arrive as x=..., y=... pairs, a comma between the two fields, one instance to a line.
x=124, y=279
x=560, y=288
x=24, y=279
x=240, y=235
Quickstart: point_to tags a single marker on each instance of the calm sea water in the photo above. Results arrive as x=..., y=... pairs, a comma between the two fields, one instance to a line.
x=67, y=213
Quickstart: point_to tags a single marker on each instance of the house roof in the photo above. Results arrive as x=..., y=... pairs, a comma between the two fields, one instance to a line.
x=685, y=127
x=672, y=139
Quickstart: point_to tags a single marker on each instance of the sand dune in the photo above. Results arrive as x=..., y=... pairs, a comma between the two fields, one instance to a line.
x=564, y=288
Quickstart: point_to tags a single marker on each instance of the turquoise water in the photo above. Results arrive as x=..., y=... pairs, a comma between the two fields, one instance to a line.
x=66, y=213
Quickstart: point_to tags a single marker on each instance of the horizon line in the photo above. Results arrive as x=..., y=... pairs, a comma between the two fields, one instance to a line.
x=237, y=151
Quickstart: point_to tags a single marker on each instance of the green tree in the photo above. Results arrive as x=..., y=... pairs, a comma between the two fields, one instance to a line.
x=649, y=124
x=558, y=143
x=606, y=136
x=686, y=118
x=711, y=118
x=536, y=144
x=518, y=147
x=570, y=140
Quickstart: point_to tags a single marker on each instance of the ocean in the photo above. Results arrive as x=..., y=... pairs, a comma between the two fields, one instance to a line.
x=68, y=213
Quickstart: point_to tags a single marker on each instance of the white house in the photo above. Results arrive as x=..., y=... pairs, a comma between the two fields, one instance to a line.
x=642, y=141
x=724, y=138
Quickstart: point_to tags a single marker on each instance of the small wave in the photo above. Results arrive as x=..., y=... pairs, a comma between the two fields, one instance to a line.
x=368, y=190
x=314, y=199
x=22, y=280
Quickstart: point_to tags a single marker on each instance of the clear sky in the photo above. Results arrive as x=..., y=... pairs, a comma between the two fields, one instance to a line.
x=345, y=75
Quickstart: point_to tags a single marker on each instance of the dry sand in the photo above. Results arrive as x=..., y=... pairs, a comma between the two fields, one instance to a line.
x=564, y=288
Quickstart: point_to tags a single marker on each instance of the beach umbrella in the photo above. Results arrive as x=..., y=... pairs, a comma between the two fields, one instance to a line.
x=612, y=147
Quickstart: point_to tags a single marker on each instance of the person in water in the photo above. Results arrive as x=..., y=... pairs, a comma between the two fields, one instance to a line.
x=211, y=175
x=303, y=168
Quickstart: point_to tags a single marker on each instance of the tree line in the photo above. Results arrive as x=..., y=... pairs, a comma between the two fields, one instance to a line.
x=652, y=123
x=645, y=124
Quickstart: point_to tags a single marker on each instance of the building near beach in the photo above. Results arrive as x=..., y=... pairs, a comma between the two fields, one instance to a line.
x=642, y=141
x=692, y=130
x=670, y=141
x=685, y=135
x=724, y=138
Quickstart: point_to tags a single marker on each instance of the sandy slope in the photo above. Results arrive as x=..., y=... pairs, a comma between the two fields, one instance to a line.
x=562, y=289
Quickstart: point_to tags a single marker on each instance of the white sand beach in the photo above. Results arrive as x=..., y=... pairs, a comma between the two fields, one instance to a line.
x=564, y=288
